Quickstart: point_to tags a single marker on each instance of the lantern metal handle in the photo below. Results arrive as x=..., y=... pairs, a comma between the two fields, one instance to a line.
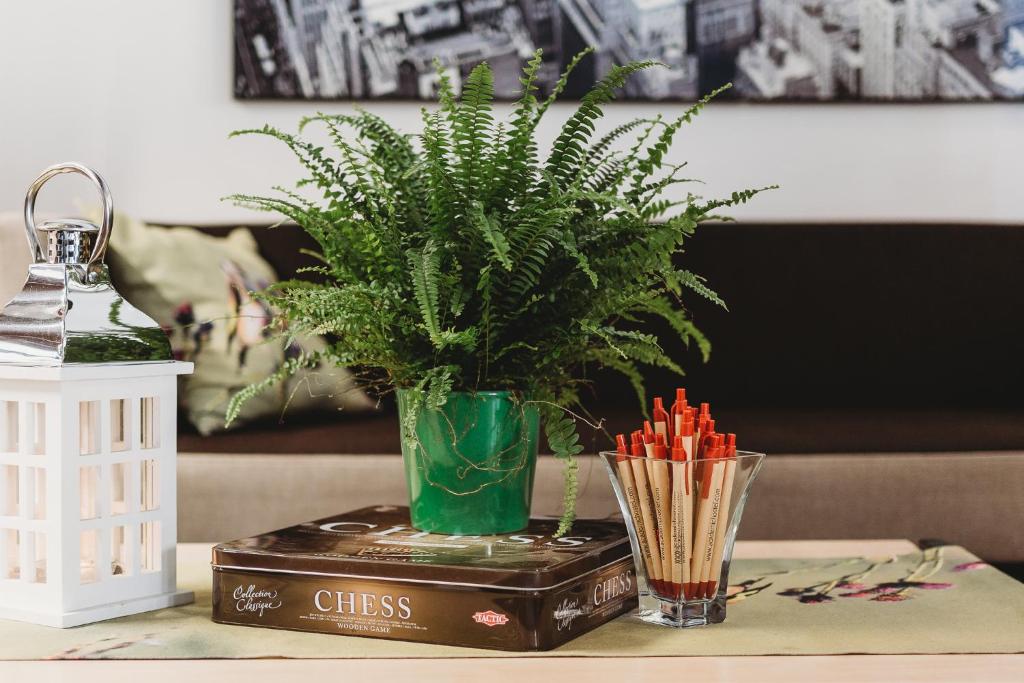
x=106, y=225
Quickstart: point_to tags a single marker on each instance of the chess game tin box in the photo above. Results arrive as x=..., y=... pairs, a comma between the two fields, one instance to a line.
x=369, y=573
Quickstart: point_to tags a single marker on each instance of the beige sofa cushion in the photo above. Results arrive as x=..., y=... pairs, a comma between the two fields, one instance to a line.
x=14, y=256
x=968, y=499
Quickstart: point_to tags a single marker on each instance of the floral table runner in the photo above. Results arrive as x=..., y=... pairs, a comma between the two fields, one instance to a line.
x=941, y=600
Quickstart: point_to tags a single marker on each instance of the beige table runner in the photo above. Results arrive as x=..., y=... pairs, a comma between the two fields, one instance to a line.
x=938, y=601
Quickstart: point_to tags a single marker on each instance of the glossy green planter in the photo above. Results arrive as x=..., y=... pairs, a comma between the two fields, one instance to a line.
x=470, y=470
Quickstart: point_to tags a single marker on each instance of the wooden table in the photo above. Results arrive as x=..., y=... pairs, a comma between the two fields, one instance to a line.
x=841, y=668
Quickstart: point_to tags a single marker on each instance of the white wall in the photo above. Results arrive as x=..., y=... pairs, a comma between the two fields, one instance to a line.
x=142, y=91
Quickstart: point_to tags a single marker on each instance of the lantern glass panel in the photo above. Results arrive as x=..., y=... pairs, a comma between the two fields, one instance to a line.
x=89, y=427
x=120, y=425
x=149, y=485
x=88, y=565
x=9, y=498
x=149, y=546
x=88, y=492
x=149, y=431
x=39, y=543
x=38, y=428
x=119, y=565
x=119, y=487
x=9, y=426
x=11, y=555
x=37, y=483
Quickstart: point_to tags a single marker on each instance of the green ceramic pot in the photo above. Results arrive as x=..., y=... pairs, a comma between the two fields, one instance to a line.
x=470, y=467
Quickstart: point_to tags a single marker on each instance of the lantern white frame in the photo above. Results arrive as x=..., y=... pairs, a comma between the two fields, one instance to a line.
x=52, y=585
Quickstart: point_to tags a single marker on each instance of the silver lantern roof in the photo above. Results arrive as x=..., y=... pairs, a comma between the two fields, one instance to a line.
x=68, y=312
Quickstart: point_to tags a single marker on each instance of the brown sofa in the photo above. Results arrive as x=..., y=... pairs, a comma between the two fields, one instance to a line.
x=877, y=365
x=838, y=339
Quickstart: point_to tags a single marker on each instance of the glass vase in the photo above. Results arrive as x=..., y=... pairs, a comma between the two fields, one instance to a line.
x=682, y=518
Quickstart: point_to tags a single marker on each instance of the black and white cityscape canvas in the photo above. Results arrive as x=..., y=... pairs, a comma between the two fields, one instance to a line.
x=803, y=50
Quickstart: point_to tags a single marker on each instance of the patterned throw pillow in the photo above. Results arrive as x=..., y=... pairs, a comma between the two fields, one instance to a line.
x=196, y=287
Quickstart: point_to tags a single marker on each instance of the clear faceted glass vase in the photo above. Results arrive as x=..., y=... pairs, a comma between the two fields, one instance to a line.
x=682, y=518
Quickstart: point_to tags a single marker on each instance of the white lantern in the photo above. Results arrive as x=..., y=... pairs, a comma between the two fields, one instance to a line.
x=88, y=522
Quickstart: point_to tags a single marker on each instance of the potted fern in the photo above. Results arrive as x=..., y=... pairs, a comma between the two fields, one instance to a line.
x=477, y=278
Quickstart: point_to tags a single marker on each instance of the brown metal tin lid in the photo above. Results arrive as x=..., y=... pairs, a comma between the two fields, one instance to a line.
x=380, y=543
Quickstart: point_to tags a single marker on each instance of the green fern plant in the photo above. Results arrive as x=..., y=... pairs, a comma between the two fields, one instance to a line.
x=464, y=259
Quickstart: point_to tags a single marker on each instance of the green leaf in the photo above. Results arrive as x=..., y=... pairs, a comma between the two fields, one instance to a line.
x=568, y=148
x=246, y=394
x=426, y=266
x=492, y=234
x=694, y=282
x=560, y=430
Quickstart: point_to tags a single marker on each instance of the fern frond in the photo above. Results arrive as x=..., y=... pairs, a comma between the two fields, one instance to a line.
x=287, y=369
x=684, y=278
x=734, y=199
x=492, y=234
x=655, y=154
x=472, y=133
x=426, y=269
x=322, y=171
x=561, y=83
x=445, y=92
x=680, y=323
x=516, y=166
x=568, y=149
x=568, y=242
x=436, y=386
x=442, y=198
x=560, y=430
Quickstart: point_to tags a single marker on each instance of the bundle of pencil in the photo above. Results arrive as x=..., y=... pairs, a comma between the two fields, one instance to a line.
x=678, y=477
